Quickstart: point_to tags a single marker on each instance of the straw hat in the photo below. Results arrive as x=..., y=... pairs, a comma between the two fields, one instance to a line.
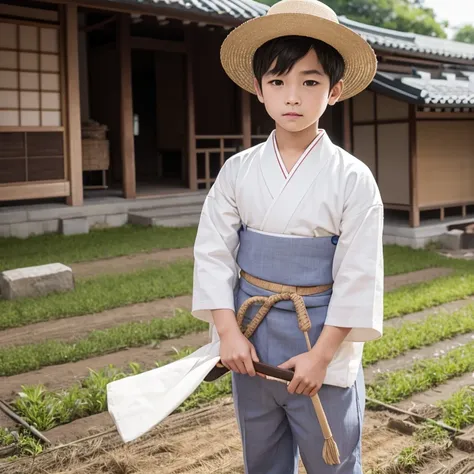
x=301, y=18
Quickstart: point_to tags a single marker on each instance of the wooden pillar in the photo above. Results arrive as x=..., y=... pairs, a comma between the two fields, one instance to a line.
x=126, y=107
x=347, y=125
x=73, y=103
x=414, y=204
x=246, y=119
x=192, y=155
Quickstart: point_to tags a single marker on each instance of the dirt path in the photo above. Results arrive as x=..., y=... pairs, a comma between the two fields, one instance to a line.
x=397, y=281
x=69, y=329
x=61, y=376
x=201, y=442
x=129, y=263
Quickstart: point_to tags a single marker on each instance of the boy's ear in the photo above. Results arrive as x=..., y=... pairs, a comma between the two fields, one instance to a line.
x=258, y=89
x=336, y=93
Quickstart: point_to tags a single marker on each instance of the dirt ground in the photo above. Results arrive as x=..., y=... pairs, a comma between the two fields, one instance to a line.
x=201, y=442
x=205, y=441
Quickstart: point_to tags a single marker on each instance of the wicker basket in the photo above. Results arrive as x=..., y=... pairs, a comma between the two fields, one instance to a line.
x=95, y=155
x=94, y=130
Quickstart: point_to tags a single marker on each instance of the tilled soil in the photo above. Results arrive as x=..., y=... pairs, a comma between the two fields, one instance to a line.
x=201, y=442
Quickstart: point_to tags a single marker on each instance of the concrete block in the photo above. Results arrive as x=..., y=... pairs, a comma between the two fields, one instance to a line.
x=452, y=239
x=96, y=221
x=12, y=216
x=31, y=282
x=51, y=227
x=74, y=226
x=389, y=239
x=23, y=230
x=116, y=220
x=5, y=230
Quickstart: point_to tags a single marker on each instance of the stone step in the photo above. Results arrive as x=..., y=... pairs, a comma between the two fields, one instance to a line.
x=173, y=216
x=178, y=221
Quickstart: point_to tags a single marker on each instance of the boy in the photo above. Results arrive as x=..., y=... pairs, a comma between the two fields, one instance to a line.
x=295, y=215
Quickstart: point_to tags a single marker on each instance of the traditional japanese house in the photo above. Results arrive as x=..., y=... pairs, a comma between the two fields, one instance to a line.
x=109, y=106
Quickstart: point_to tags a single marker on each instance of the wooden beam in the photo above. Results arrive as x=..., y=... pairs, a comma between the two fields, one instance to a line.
x=126, y=108
x=150, y=44
x=445, y=115
x=16, y=192
x=413, y=160
x=99, y=25
x=347, y=126
x=73, y=100
x=376, y=136
x=154, y=9
x=246, y=119
x=192, y=156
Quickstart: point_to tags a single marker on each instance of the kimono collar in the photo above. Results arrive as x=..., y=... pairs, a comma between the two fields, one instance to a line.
x=274, y=171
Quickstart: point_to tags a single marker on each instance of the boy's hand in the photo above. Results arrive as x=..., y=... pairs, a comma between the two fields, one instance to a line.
x=310, y=372
x=238, y=353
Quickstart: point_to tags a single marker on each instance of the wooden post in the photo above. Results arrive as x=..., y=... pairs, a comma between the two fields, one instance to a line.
x=126, y=107
x=192, y=155
x=246, y=119
x=414, y=204
x=73, y=100
x=347, y=124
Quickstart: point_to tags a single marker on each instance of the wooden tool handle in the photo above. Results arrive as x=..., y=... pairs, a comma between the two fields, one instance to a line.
x=272, y=371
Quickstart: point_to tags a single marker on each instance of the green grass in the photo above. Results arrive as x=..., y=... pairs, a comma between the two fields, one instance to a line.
x=99, y=294
x=418, y=297
x=103, y=243
x=399, y=260
x=392, y=387
x=413, y=335
x=20, y=359
x=45, y=409
x=458, y=410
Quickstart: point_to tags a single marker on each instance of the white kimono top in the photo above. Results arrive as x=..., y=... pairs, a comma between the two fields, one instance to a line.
x=327, y=192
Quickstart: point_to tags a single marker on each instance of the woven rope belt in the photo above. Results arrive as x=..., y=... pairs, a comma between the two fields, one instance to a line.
x=293, y=293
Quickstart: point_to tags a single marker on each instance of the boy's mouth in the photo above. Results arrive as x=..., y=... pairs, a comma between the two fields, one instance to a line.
x=292, y=114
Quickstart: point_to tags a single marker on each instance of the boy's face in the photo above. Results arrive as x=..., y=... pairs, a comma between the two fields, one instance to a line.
x=296, y=100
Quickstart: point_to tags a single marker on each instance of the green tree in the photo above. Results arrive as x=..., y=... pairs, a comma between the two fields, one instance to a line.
x=402, y=15
x=465, y=34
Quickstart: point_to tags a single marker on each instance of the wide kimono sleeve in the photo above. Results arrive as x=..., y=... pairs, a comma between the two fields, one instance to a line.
x=215, y=249
x=358, y=268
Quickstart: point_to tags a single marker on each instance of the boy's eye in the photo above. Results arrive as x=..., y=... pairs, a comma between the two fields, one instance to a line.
x=311, y=83
x=276, y=82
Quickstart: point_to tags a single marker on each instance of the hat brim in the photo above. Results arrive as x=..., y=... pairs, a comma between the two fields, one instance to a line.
x=239, y=47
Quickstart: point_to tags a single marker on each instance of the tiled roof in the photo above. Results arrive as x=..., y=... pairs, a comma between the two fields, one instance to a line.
x=232, y=9
x=381, y=38
x=446, y=90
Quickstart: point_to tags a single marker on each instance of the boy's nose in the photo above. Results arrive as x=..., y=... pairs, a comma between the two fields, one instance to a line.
x=292, y=101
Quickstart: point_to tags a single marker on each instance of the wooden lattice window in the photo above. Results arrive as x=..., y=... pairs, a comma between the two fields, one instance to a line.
x=30, y=94
x=31, y=156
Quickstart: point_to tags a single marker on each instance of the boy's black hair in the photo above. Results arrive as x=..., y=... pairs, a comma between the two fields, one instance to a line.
x=287, y=50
